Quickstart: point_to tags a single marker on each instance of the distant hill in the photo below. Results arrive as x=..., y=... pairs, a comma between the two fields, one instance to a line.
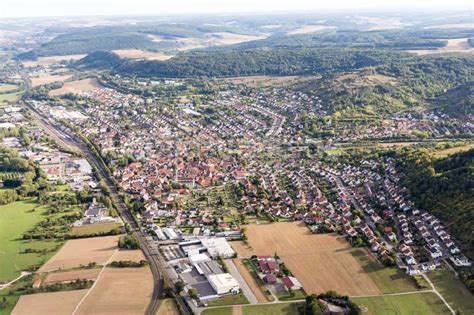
x=302, y=61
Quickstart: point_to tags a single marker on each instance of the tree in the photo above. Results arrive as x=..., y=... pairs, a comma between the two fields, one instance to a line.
x=193, y=293
x=179, y=286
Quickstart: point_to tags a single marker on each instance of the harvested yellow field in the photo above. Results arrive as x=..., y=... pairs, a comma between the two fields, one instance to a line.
x=47, y=61
x=141, y=54
x=250, y=280
x=56, y=303
x=76, y=87
x=310, y=29
x=128, y=255
x=226, y=38
x=453, y=45
x=124, y=291
x=82, y=252
x=261, y=80
x=48, y=78
x=320, y=262
x=67, y=276
x=447, y=152
x=167, y=307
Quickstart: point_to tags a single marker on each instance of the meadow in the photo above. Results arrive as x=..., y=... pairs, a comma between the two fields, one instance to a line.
x=15, y=219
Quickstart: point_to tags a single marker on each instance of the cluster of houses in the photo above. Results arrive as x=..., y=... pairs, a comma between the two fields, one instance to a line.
x=172, y=153
x=269, y=271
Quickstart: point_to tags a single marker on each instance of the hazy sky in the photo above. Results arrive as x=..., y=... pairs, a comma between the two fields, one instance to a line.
x=18, y=8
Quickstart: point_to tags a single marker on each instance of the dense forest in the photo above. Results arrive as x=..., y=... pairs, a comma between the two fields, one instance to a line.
x=393, y=39
x=444, y=187
x=303, y=61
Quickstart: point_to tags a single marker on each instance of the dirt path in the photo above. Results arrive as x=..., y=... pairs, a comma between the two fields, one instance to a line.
x=6, y=285
x=237, y=310
x=95, y=282
x=437, y=293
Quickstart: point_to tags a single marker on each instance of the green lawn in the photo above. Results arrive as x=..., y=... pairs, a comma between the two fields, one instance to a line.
x=93, y=229
x=413, y=304
x=15, y=219
x=453, y=290
x=218, y=311
x=388, y=280
x=272, y=309
x=262, y=309
x=8, y=97
x=285, y=296
x=229, y=300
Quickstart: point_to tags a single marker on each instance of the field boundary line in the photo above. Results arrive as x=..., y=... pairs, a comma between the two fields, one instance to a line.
x=437, y=293
x=95, y=282
x=391, y=294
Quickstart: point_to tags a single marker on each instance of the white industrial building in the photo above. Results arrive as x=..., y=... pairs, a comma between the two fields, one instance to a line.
x=170, y=233
x=223, y=283
x=218, y=247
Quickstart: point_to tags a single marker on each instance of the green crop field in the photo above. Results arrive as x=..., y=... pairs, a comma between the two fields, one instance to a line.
x=229, y=300
x=4, y=98
x=15, y=219
x=272, y=309
x=416, y=303
x=93, y=229
x=218, y=311
x=388, y=280
x=453, y=290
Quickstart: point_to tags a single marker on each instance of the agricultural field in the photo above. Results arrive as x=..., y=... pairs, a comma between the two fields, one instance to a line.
x=261, y=80
x=82, y=252
x=47, y=61
x=67, y=276
x=15, y=219
x=388, y=280
x=48, y=78
x=128, y=255
x=9, y=97
x=7, y=87
x=453, y=290
x=458, y=45
x=119, y=291
x=167, y=307
x=218, y=311
x=142, y=54
x=446, y=152
x=271, y=309
x=416, y=303
x=76, y=87
x=322, y=262
x=310, y=29
x=57, y=303
x=93, y=229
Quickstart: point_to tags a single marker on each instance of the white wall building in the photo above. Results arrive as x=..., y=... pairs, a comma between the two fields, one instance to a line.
x=218, y=246
x=224, y=283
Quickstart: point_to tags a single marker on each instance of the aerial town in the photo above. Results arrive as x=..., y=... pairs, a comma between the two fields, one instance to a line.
x=324, y=192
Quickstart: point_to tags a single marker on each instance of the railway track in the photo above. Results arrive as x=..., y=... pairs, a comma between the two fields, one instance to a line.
x=73, y=144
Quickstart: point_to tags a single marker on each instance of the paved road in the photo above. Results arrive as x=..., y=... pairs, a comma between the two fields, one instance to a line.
x=243, y=285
